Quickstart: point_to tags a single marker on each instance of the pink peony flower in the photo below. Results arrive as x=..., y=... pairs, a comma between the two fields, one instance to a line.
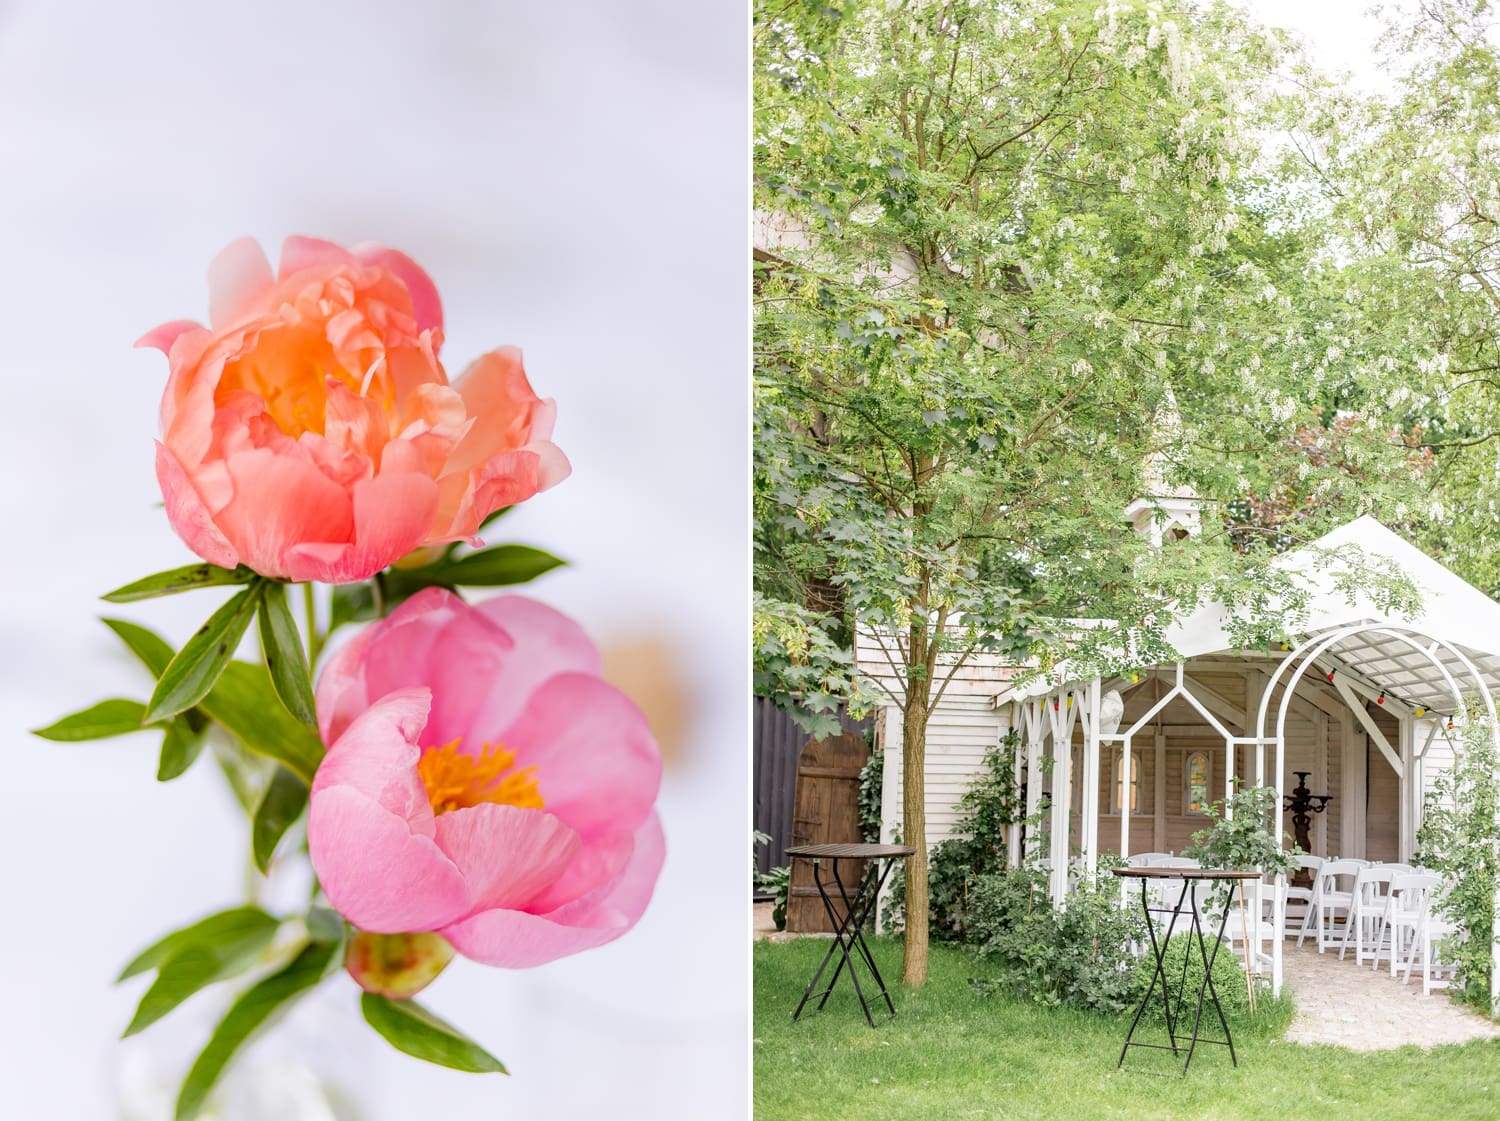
x=311, y=432
x=483, y=783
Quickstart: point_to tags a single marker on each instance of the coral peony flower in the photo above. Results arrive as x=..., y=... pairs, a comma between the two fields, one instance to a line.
x=483, y=783
x=311, y=432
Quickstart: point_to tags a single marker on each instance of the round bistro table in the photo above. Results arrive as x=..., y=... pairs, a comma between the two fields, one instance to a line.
x=1180, y=1043
x=847, y=934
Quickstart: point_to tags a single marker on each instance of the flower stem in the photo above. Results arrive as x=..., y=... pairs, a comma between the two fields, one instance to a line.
x=314, y=636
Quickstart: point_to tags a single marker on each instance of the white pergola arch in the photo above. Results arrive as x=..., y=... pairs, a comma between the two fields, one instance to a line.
x=1449, y=649
x=1303, y=657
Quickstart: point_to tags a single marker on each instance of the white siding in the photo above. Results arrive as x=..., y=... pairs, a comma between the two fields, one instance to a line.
x=961, y=730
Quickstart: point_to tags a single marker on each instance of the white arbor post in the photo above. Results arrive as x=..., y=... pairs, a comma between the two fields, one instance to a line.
x=1089, y=714
x=1062, y=715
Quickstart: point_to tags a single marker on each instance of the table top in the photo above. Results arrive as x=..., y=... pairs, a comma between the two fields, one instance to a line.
x=851, y=852
x=1181, y=873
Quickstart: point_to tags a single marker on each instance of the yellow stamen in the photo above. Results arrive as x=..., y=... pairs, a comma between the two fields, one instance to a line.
x=456, y=780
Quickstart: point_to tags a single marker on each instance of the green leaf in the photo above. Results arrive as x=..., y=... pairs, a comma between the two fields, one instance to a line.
x=254, y=1007
x=193, y=967
x=180, y=580
x=494, y=516
x=284, y=801
x=410, y=1028
x=192, y=673
x=144, y=643
x=285, y=658
x=115, y=717
x=180, y=747
x=235, y=925
x=324, y=924
x=238, y=701
x=488, y=568
x=243, y=702
x=352, y=603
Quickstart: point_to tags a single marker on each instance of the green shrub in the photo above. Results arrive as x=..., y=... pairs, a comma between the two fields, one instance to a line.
x=778, y=881
x=1457, y=840
x=988, y=807
x=1228, y=982
x=1078, y=955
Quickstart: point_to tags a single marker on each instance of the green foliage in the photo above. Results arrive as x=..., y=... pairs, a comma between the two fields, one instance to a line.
x=871, y=792
x=246, y=1016
x=1458, y=840
x=410, y=1028
x=180, y=580
x=1242, y=836
x=1080, y=955
x=1183, y=953
x=778, y=881
x=990, y=804
x=115, y=717
x=281, y=646
x=283, y=803
x=193, y=670
x=800, y=666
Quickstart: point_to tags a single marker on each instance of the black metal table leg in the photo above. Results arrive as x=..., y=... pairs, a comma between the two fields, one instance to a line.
x=1180, y=1044
x=848, y=937
x=1158, y=953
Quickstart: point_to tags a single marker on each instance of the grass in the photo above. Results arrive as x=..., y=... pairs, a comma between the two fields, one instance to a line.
x=951, y=1054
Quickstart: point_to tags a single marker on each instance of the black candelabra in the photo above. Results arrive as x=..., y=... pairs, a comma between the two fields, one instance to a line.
x=1303, y=803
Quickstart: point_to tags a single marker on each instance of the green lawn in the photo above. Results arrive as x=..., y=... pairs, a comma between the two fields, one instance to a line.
x=950, y=1054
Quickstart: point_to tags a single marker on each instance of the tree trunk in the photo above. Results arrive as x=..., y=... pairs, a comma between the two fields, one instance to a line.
x=914, y=833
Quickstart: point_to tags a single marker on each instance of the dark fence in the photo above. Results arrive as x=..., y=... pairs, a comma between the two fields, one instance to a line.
x=778, y=745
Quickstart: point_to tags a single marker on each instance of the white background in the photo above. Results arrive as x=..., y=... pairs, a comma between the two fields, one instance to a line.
x=574, y=179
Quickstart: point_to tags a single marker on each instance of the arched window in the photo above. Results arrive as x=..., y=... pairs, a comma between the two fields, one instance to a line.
x=1120, y=794
x=1195, y=775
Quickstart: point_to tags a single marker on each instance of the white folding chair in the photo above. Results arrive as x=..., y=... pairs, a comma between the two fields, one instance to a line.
x=1301, y=897
x=1145, y=859
x=1372, y=891
x=1330, y=896
x=1251, y=938
x=1432, y=928
x=1403, y=914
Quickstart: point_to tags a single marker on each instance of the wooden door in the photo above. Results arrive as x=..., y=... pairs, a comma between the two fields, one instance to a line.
x=825, y=811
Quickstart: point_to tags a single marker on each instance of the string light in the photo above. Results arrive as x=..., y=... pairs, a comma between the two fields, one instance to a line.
x=1070, y=700
x=1330, y=674
x=1450, y=723
x=1380, y=700
x=1419, y=711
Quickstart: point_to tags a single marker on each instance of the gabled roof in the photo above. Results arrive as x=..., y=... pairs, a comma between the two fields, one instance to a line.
x=1451, y=609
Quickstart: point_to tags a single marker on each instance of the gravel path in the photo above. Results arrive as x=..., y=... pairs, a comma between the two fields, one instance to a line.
x=1356, y=1007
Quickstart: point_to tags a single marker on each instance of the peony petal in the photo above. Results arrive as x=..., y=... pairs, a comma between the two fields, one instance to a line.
x=376, y=872
x=187, y=513
x=280, y=502
x=552, y=644
x=517, y=940
x=377, y=756
x=628, y=896
x=500, y=399
x=298, y=253
x=162, y=338
x=392, y=513
x=598, y=863
x=598, y=768
x=340, y=692
x=238, y=275
x=469, y=660
x=508, y=855
x=427, y=306
x=552, y=466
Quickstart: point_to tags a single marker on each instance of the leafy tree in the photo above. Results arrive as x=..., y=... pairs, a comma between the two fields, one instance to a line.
x=1018, y=263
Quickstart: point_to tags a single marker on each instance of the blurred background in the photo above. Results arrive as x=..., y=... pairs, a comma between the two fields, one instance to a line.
x=574, y=179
